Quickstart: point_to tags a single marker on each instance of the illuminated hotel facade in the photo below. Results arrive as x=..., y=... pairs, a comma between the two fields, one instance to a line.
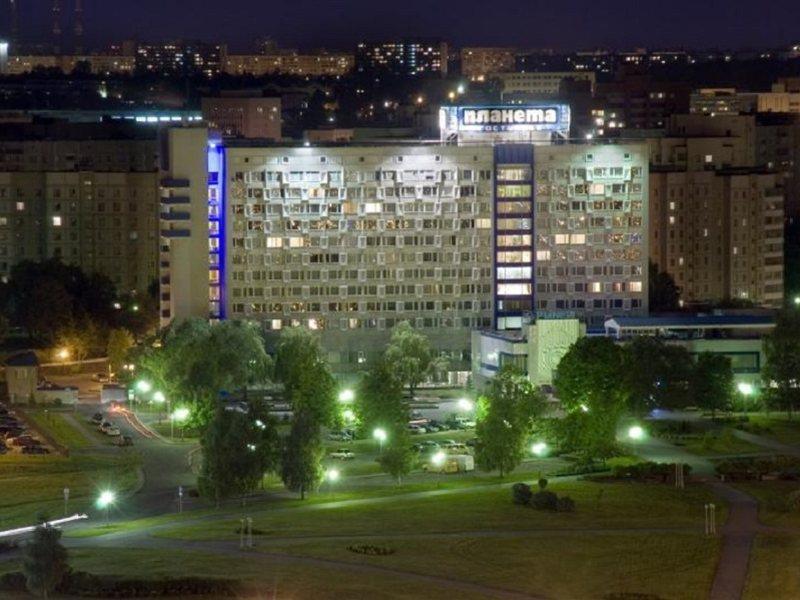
x=350, y=240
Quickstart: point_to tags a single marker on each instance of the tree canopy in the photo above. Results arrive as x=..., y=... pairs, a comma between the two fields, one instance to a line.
x=781, y=372
x=656, y=375
x=411, y=356
x=44, y=560
x=711, y=386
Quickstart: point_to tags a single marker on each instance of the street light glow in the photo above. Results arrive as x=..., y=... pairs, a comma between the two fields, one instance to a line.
x=159, y=396
x=332, y=475
x=346, y=396
x=143, y=386
x=797, y=300
x=348, y=415
x=635, y=432
x=584, y=408
x=438, y=458
x=379, y=434
x=465, y=404
x=106, y=499
x=62, y=353
x=539, y=448
x=745, y=388
x=180, y=414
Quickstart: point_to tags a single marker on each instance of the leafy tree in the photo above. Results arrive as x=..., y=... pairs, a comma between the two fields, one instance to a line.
x=411, y=356
x=44, y=560
x=781, y=372
x=656, y=375
x=589, y=381
x=506, y=414
x=664, y=294
x=379, y=400
x=301, y=469
x=711, y=385
x=306, y=377
x=398, y=458
x=120, y=341
x=237, y=449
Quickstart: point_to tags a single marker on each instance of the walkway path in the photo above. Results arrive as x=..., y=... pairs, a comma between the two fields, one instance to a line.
x=765, y=442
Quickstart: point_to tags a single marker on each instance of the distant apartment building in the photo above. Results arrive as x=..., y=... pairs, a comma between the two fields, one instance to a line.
x=84, y=194
x=181, y=58
x=539, y=84
x=403, y=58
x=478, y=62
x=97, y=64
x=246, y=117
x=349, y=240
x=638, y=102
x=290, y=62
x=717, y=211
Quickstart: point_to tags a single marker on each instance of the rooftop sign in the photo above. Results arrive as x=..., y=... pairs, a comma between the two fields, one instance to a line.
x=492, y=119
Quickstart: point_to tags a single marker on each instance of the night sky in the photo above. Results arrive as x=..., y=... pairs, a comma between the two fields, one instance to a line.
x=530, y=23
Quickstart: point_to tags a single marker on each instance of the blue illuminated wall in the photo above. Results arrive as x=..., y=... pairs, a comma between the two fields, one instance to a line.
x=216, y=229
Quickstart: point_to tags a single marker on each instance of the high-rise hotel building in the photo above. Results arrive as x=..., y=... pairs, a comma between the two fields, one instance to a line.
x=452, y=236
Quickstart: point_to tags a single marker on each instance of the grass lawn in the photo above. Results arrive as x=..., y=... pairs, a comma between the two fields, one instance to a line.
x=572, y=565
x=773, y=573
x=599, y=505
x=55, y=423
x=776, y=426
x=262, y=578
x=720, y=443
x=31, y=484
x=773, y=501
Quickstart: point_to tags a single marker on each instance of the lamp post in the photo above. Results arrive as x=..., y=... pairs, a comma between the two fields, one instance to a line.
x=160, y=398
x=180, y=415
x=636, y=433
x=347, y=396
x=104, y=502
x=539, y=449
x=379, y=434
x=437, y=460
x=746, y=389
x=332, y=476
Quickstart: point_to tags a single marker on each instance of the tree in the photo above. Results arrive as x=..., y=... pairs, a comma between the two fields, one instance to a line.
x=301, y=468
x=238, y=448
x=44, y=560
x=506, y=414
x=589, y=382
x=398, y=457
x=411, y=356
x=120, y=341
x=781, y=372
x=656, y=375
x=664, y=294
x=307, y=381
x=379, y=401
x=711, y=385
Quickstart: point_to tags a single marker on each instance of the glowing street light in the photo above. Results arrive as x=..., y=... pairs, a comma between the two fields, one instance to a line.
x=584, y=408
x=465, y=404
x=143, y=386
x=159, y=397
x=180, y=415
x=380, y=435
x=62, y=354
x=332, y=475
x=346, y=396
x=348, y=415
x=636, y=433
x=104, y=502
x=461, y=88
x=539, y=449
x=745, y=388
x=796, y=300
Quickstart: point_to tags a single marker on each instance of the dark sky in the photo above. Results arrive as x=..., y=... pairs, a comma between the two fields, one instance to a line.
x=560, y=24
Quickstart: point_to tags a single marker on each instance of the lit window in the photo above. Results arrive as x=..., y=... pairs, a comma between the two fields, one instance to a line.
x=596, y=287
x=543, y=255
x=577, y=238
x=20, y=206
x=513, y=289
x=275, y=242
x=483, y=223
x=372, y=207
x=57, y=221
x=295, y=242
x=276, y=324
x=562, y=238
x=635, y=286
x=671, y=220
x=598, y=189
x=709, y=158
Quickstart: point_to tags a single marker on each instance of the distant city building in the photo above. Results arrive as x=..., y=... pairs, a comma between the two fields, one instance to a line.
x=350, y=240
x=97, y=64
x=478, y=62
x=403, y=58
x=638, y=102
x=182, y=58
x=290, y=62
x=86, y=194
x=247, y=117
x=538, y=84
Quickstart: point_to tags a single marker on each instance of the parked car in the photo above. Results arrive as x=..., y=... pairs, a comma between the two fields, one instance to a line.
x=24, y=440
x=109, y=428
x=340, y=436
x=97, y=418
x=100, y=377
x=124, y=440
x=35, y=450
x=342, y=454
x=431, y=428
x=416, y=429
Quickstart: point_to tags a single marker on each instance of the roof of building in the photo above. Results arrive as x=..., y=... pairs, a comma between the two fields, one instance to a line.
x=697, y=321
x=22, y=359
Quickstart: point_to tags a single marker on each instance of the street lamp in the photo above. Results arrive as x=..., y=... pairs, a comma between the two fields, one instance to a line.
x=636, y=432
x=348, y=416
x=180, y=415
x=104, y=502
x=539, y=449
x=380, y=435
x=62, y=354
x=346, y=396
x=796, y=300
x=465, y=405
x=159, y=397
x=745, y=388
x=143, y=387
x=437, y=460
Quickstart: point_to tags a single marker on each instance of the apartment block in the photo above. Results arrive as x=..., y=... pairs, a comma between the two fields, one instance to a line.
x=478, y=62
x=319, y=64
x=248, y=117
x=538, y=83
x=401, y=58
x=84, y=196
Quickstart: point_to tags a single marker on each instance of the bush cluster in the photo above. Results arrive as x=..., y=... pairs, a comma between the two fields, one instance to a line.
x=371, y=550
x=544, y=499
x=754, y=469
x=648, y=471
x=80, y=583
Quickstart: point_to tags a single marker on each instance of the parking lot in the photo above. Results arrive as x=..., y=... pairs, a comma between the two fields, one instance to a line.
x=17, y=437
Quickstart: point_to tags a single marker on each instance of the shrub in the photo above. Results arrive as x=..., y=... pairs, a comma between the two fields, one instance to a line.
x=565, y=504
x=371, y=550
x=13, y=582
x=521, y=493
x=79, y=583
x=542, y=483
x=544, y=500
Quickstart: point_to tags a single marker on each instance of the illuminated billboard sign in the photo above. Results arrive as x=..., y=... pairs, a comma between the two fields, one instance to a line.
x=553, y=118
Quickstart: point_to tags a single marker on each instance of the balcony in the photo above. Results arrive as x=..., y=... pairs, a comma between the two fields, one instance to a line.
x=176, y=233
x=176, y=215
x=175, y=200
x=174, y=182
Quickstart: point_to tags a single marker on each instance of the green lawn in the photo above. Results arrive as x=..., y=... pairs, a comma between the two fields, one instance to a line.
x=31, y=484
x=775, y=426
x=599, y=505
x=773, y=573
x=774, y=507
x=575, y=565
x=720, y=443
x=58, y=426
